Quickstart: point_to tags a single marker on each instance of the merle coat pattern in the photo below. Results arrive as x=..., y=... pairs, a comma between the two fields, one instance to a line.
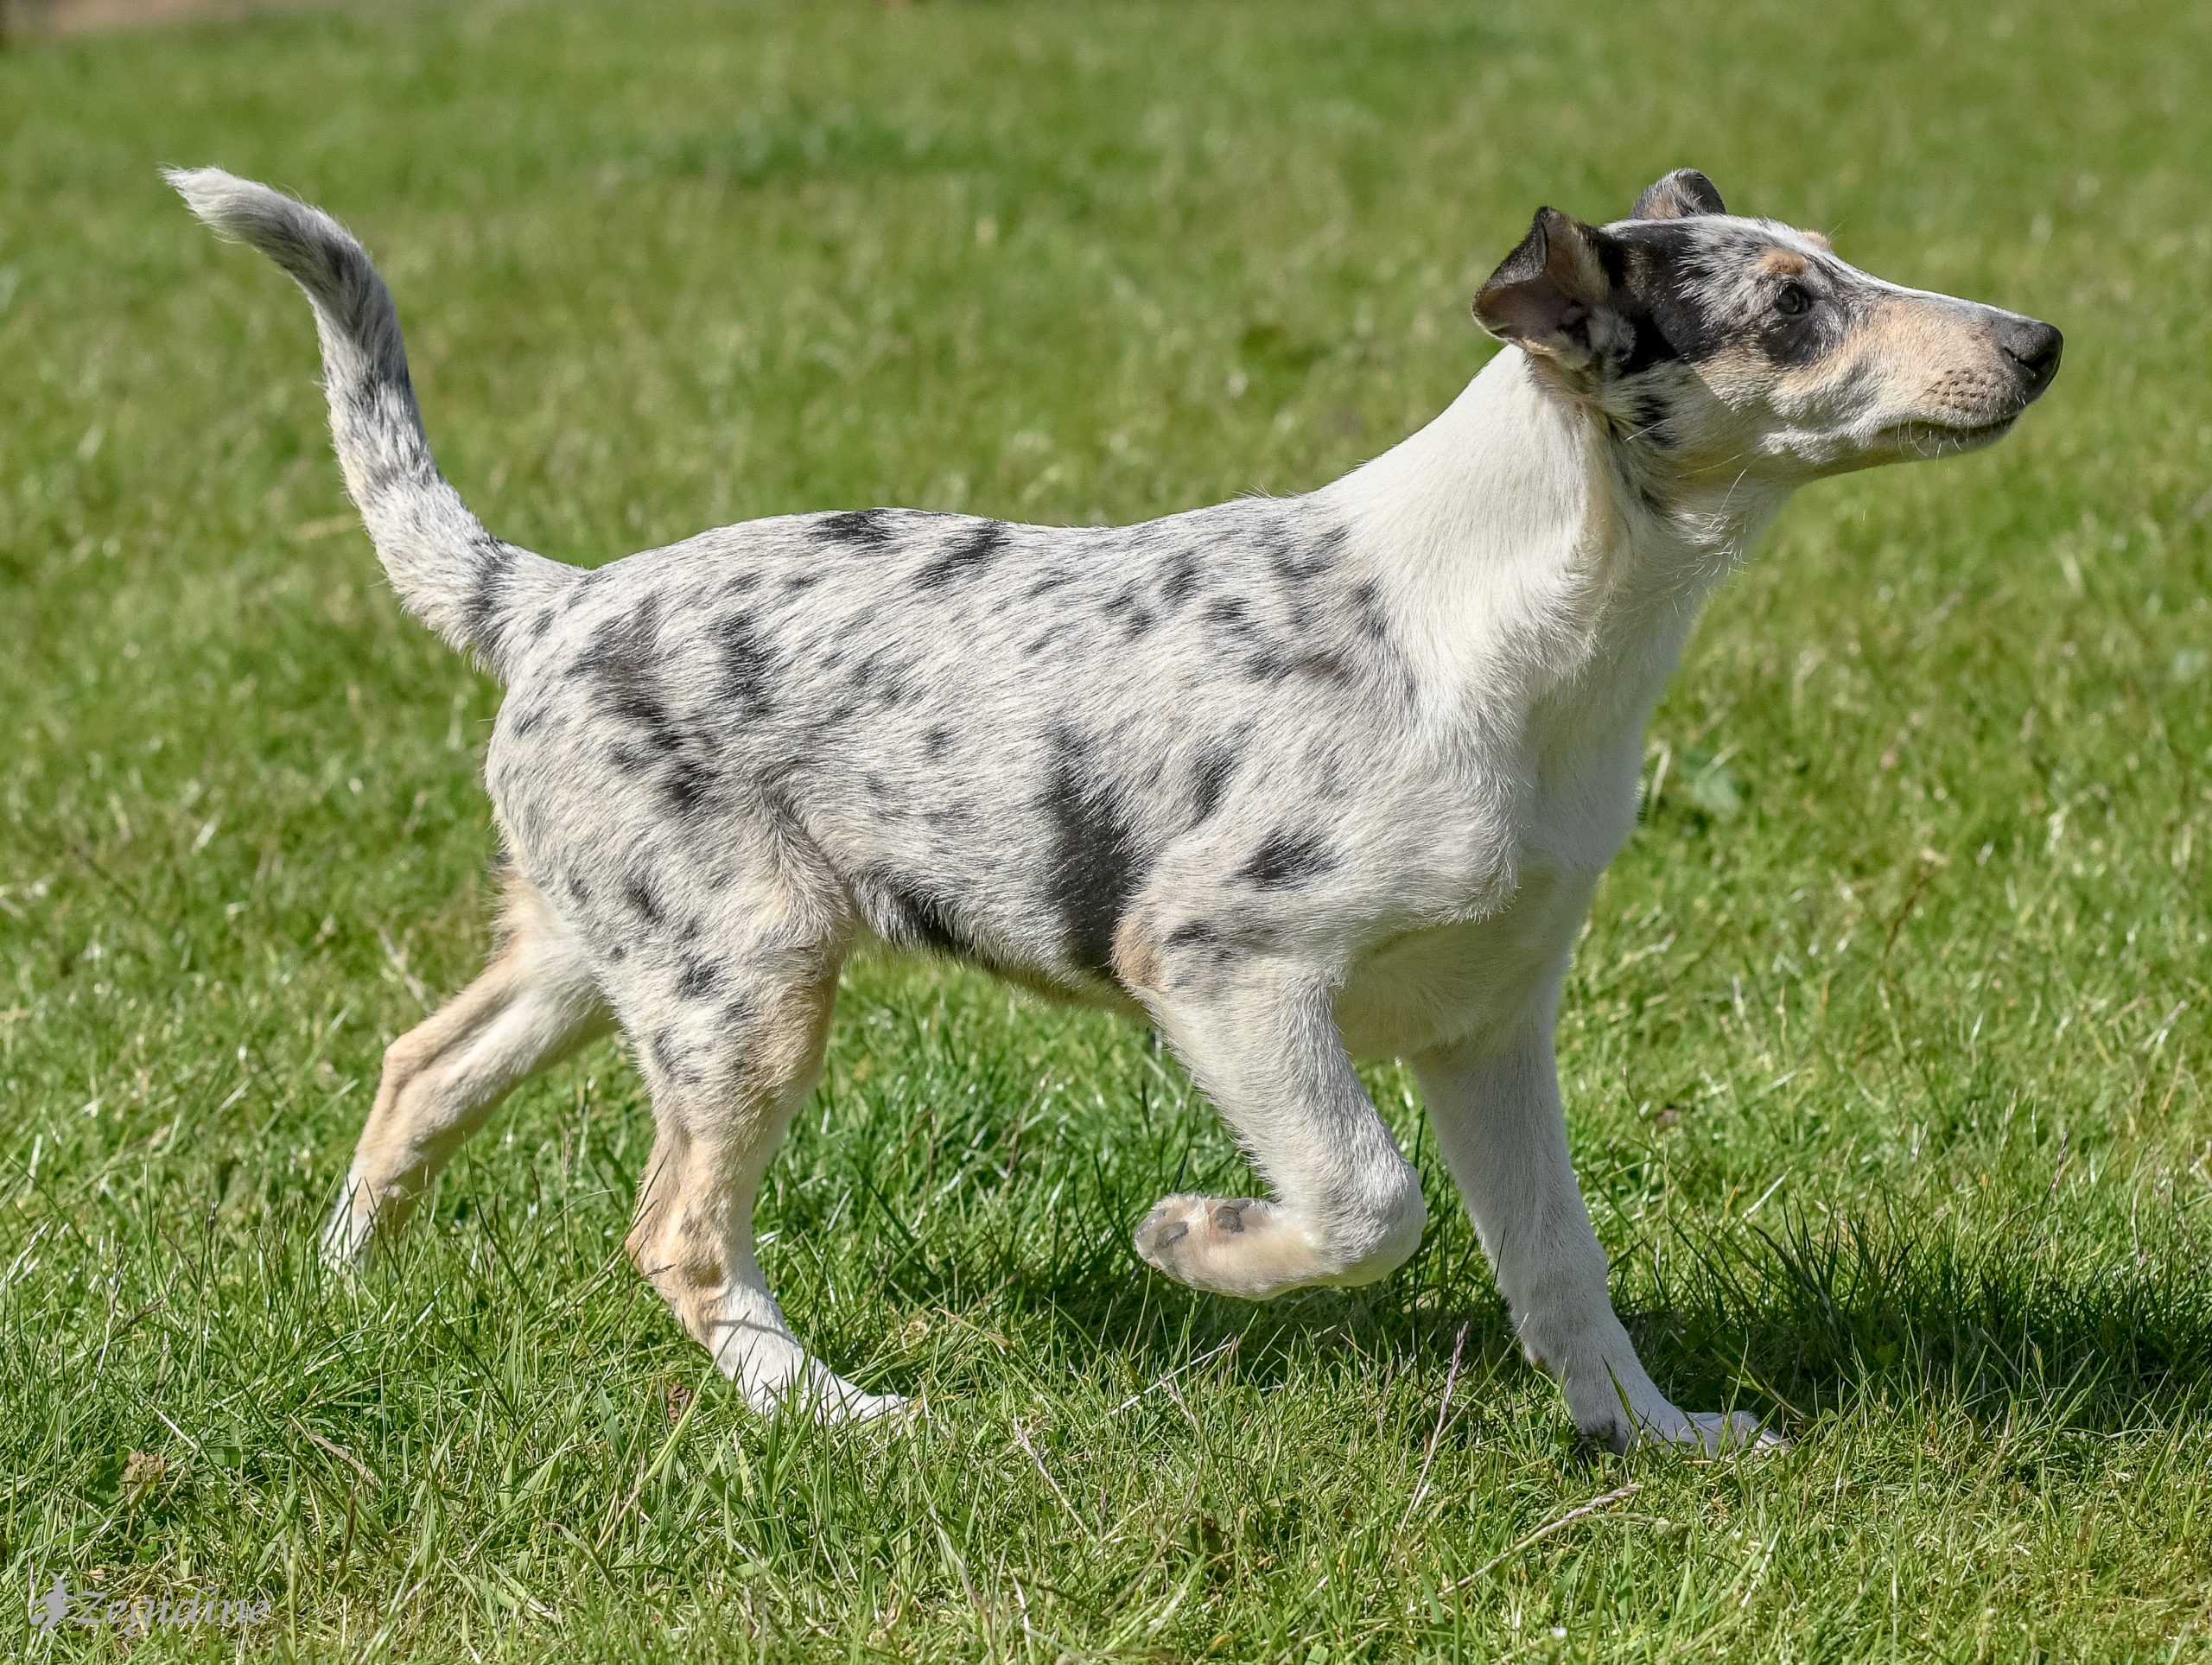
x=1295, y=780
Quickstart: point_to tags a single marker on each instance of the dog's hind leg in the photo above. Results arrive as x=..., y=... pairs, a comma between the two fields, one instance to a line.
x=534, y=1003
x=1260, y=1038
x=731, y=1047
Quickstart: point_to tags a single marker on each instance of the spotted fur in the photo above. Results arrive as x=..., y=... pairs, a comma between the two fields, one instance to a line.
x=1296, y=779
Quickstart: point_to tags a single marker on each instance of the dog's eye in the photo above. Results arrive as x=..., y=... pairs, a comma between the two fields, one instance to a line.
x=1792, y=299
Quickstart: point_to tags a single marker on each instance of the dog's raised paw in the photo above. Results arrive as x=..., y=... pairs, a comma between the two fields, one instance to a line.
x=1230, y=1246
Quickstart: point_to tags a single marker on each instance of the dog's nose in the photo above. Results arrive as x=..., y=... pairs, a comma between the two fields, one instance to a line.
x=2035, y=346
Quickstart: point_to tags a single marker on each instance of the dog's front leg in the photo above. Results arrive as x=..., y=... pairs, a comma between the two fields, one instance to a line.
x=1496, y=1107
x=1261, y=1039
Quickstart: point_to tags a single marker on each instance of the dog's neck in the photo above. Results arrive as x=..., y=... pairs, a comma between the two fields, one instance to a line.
x=1533, y=559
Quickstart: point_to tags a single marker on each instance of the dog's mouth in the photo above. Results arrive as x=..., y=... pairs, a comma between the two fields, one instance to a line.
x=1945, y=439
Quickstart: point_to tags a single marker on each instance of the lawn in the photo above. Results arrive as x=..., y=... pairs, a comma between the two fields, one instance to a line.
x=1884, y=1049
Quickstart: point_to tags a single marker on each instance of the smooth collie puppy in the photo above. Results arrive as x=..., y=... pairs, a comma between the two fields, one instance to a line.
x=1296, y=780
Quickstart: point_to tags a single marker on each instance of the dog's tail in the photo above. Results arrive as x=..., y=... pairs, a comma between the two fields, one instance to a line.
x=450, y=572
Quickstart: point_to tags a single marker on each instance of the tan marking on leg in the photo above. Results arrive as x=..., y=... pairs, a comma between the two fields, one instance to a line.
x=692, y=1235
x=1136, y=956
x=534, y=1004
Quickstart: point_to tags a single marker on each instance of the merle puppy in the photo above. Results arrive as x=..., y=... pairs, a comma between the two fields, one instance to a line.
x=1296, y=780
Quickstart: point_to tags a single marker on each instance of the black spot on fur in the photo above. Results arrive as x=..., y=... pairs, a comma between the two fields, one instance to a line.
x=747, y=673
x=936, y=742
x=883, y=682
x=1182, y=580
x=1229, y=612
x=969, y=554
x=1135, y=619
x=623, y=643
x=624, y=653
x=1209, y=780
x=1097, y=860
x=1325, y=546
x=644, y=900
x=699, y=978
x=1276, y=665
x=1644, y=411
x=668, y=1054
x=1367, y=611
x=908, y=916
x=861, y=529
x=687, y=785
x=1297, y=559
x=1194, y=933
x=1287, y=858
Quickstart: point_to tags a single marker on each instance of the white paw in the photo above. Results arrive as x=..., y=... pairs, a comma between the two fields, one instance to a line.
x=837, y=1403
x=1713, y=1433
x=346, y=1238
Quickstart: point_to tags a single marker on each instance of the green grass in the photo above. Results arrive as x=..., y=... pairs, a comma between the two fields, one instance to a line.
x=1884, y=1049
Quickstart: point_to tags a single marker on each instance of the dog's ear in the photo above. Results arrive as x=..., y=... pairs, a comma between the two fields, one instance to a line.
x=1682, y=194
x=1553, y=293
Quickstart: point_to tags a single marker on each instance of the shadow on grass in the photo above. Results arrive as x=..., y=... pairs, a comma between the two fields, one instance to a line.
x=1818, y=1317
x=1812, y=1318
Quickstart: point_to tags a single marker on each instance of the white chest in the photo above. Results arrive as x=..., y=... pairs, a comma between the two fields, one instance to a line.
x=1447, y=983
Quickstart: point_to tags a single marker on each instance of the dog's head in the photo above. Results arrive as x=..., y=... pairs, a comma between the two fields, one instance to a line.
x=1721, y=345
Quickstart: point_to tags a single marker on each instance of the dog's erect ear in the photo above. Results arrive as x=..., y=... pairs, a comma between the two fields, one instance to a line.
x=1551, y=294
x=1681, y=195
